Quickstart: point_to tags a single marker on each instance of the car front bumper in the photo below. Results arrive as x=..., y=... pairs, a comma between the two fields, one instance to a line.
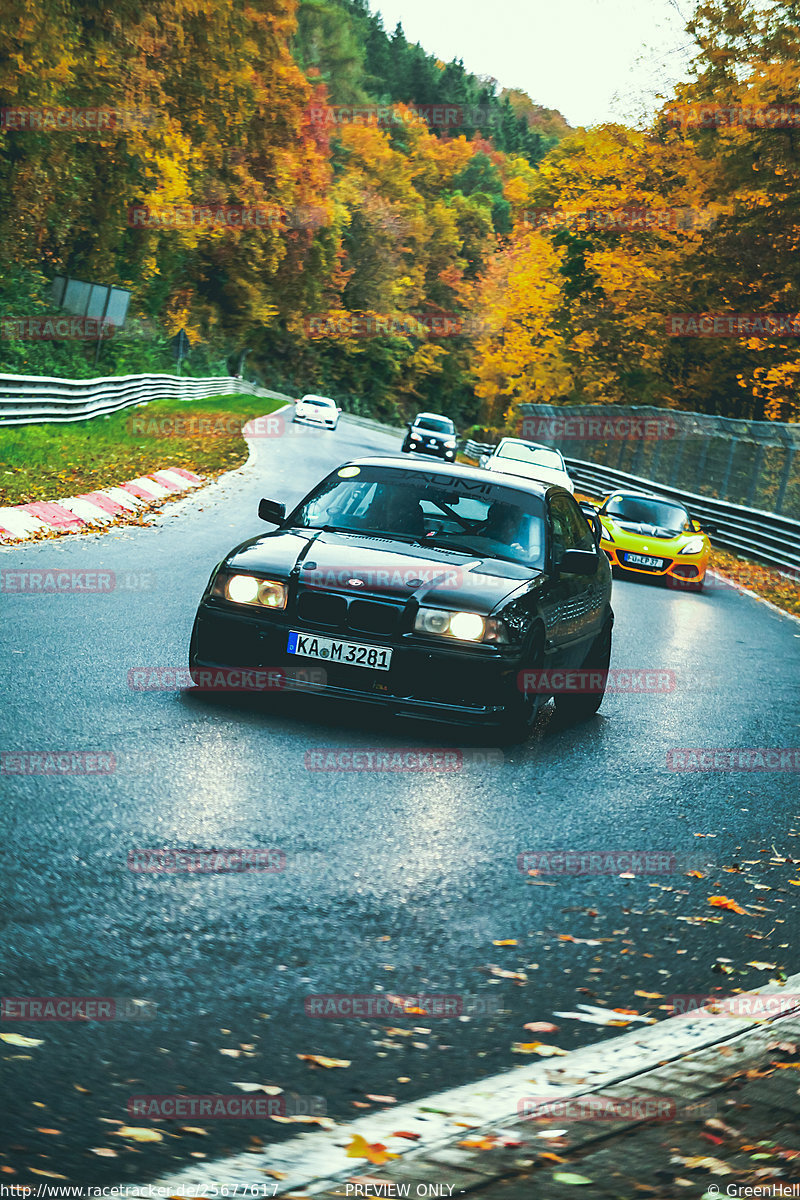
x=439, y=451
x=312, y=419
x=461, y=684
x=678, y=572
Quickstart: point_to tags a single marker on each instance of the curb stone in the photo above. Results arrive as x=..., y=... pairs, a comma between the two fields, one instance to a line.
x=681, y=1057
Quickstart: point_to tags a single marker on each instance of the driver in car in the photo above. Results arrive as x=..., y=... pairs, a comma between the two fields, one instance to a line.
x=506, y=524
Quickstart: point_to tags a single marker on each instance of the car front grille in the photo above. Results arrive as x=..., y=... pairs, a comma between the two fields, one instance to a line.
x=345, y=613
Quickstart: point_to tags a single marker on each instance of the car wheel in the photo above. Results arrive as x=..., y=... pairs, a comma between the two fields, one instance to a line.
x=575, y=708
x=521, y=710
x=405, y=448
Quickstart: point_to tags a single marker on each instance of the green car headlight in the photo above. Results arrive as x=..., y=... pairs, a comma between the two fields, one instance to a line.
x=463, y=626
x=250, y=589
x=693, y=546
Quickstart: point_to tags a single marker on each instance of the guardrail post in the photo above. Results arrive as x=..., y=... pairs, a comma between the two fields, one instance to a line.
x=676, y=462
x=723, y=489
x=754, y=474
x=786, y=475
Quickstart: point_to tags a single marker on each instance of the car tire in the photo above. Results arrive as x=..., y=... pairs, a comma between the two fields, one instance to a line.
x=521, y=710
x=405, y=448
x=576, y=708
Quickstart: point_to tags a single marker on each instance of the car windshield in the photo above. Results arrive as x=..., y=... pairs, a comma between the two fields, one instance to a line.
x=485, y=519
x=435, y=424
x=322, y=401
x=641, y=510
x=539, y=456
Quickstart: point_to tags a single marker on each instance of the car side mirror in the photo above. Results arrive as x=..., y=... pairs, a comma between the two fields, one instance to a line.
x=578, y=562
x=270, y=510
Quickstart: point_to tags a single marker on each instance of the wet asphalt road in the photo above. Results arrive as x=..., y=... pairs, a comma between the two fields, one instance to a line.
x=393, y=882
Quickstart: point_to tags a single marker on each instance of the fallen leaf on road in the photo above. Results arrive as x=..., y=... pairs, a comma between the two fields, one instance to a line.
x=714, y=1165
x=53, y=1132
x=232, y=1053
x=536, y=1048
x=695, y=874
x=541, y=1027
x=137, y=1134
x=650, y=995
x=501, y=973
x=727, y=903
x=259, y=1087
x=404, y=1133
x=323, y=1122
x=549, y=1156
x=320, y=1060
x=483, y=1143
x=382, y=1099
x=195, y=1129
x=47, y=1174
x=374, y=1153
x=567, y=937
x=103, y=1152
x=593, y=1015
x=506, y=942
x=762, y=966
x=17, y=1039
x=570, y=1177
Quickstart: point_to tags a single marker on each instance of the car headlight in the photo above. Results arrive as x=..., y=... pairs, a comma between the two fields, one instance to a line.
x=415, y=437
x=450, y=444
x=463, y=626
x=605, y=536
x=250, y=589
x=693, y=546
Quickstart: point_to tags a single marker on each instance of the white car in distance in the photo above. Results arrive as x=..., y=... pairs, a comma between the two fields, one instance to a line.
x=317, y=410
x=514, y=456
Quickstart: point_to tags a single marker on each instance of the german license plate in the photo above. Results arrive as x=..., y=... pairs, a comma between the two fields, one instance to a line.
x=351, y=654
x=642, y=560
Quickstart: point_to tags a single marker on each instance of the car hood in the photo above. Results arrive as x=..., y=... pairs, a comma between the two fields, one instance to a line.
x=383, y=567
x=432, y=434
x=524, y=471
x=639, y=531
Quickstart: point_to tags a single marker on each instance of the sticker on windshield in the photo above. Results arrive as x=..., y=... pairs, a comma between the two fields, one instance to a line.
x=348, y=472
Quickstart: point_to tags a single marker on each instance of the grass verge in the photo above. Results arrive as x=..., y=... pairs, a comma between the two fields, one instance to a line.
x=781, y=590
x=51, y=461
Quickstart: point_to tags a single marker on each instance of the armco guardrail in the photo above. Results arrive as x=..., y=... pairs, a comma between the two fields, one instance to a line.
x=33, y=399
x=765, y=537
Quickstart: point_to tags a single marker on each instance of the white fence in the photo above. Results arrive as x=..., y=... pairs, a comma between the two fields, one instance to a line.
x=34, y=399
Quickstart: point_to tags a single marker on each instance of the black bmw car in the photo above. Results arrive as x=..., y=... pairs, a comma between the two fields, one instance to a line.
x=433, y=590
x=431, y=434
